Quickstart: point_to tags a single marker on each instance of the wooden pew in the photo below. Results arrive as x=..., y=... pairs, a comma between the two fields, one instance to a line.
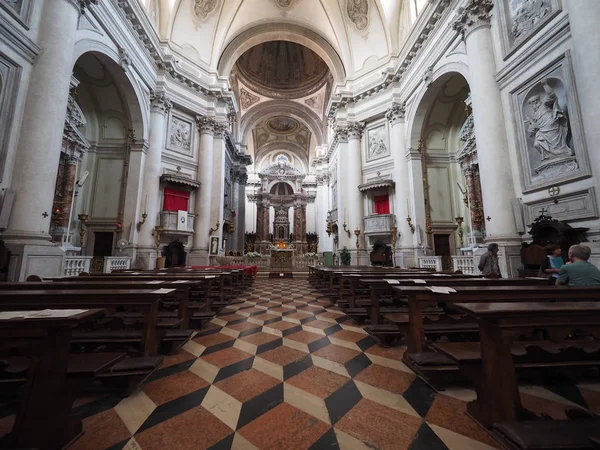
x=182, y=290
x=498, y=398
x=43, y=418
x=431, y=364
x=399, y=317
x=146, y=300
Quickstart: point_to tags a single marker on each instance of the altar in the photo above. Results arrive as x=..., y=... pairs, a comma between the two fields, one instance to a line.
x=281, y=259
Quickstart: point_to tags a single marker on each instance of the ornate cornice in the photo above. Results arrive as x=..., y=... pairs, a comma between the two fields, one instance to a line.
x=396, y=113
x=355, y=130
x=473, y=16
x=159, y=102
x=81, y=5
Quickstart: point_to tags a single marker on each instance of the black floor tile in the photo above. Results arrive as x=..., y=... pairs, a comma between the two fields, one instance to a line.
x=366, y=343
x=426, y=439
x=96, y=407
x=269, y=346
x=420, y=396
x=343, y=400
x=357, y=364
x=218, y=347
x=174, y=408
x=327, y=442
x=259, y=405
x=296, y=367
x=223, y=444
x=318, y=344
x=234, y=369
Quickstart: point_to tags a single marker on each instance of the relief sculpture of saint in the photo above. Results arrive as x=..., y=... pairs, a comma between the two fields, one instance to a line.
x=549, y=125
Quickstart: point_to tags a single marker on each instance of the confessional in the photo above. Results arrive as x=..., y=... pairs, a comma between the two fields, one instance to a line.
x=546, y=230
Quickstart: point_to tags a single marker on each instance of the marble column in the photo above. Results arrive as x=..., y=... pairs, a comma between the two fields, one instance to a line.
x=159, y=107
x=38, y=149
x=259, y=219
x=395, y=115
x=353, y=166
x=322, y=207
x=239, y=193
x=202, y=202
x=585, y=36
x=488, y=117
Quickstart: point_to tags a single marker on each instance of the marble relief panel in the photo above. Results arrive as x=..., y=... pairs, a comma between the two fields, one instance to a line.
x=521, y=19
x=551, y=142
x=19, y=9
x=179, y=137
x=377, y=143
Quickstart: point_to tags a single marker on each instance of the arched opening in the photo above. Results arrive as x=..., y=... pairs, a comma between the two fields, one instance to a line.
x=102, y=124
x=442, y=130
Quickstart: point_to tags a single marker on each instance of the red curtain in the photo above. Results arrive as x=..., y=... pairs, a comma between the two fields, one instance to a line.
x=382, y=204
x=176, y=200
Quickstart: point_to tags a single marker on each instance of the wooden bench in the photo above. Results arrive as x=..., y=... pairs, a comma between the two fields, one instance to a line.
x=500, y=323
x=43, y=418
x=145, y=300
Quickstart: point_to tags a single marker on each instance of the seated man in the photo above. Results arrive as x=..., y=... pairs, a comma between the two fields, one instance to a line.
x=578, y=271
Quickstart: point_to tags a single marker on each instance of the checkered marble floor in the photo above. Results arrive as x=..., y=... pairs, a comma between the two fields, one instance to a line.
x=283, y=368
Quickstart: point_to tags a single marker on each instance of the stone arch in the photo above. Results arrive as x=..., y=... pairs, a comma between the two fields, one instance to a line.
x=274, y=182
x=286, y=147
x=419, y=109
x=282, y=31
x=125, y=83
x=272, y=108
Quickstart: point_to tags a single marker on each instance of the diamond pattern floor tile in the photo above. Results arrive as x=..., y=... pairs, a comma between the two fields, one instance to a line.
x=284, y=368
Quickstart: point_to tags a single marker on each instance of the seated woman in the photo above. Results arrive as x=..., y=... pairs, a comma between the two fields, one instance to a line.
x=551, y=264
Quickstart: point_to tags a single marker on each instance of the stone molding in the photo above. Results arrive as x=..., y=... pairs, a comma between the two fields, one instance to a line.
x=473, y=16
x=81, y=5
x=206, y=125
x=355, y=130
x=159, y=102
x=396, y=113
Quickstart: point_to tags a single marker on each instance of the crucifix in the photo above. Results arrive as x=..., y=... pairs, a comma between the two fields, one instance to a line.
x=543, y=211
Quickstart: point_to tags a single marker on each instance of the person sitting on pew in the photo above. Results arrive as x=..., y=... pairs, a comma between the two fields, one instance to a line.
x=551, y=264
x=579, y=271
x=488, y=263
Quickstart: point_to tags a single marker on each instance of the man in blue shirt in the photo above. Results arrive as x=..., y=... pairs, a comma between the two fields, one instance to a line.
x=578, y=271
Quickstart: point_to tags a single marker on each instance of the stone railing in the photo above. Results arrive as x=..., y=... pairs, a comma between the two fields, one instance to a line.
x=379, y=224
x=116, y=263
x=431, y=262
x=466, y=264
x=264, y=262
x=168, y=220
x=302, y=262
x=74, y=265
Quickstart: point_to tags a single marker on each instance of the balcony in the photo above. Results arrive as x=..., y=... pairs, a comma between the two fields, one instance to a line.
x=379, y=224
x=168, y=221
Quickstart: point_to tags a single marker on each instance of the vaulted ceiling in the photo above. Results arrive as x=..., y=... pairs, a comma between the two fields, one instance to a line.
x=363, y=33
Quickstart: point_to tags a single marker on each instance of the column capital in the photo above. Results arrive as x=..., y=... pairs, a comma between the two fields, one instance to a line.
x=81, y=5
x=473, y=16
x=206, y=125
x=341, y=133
x=396, y=113
x=355, y=130
x=159, y=102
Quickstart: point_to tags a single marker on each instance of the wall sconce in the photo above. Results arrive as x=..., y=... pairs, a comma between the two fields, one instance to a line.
x=141, y=222
x=144, y=215
x=119, y=227
x=346, y=229
x=357, y=234
x=412, y=227
x=216, y=228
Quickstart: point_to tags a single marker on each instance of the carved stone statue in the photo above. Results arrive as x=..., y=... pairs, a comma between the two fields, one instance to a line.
x=549, y=125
